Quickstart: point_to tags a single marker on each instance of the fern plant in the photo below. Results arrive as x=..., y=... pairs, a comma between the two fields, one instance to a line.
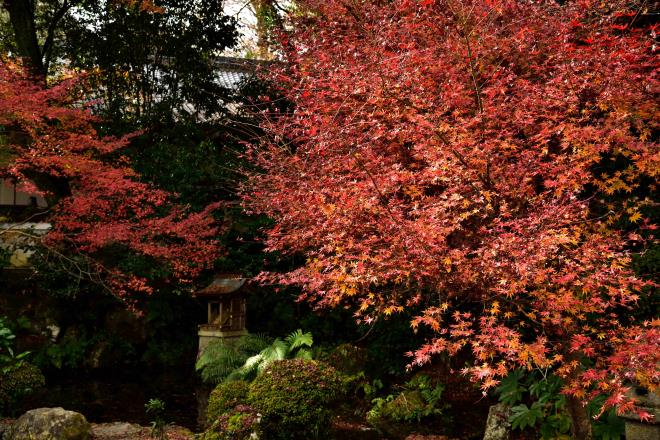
x=221, y=358
x=296, y=345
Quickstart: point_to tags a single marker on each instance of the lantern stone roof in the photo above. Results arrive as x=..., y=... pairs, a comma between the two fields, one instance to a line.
x=222, y=285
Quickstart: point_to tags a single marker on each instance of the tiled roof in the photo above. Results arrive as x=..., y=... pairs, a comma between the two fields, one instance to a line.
x=231, y=79
x=230, y=72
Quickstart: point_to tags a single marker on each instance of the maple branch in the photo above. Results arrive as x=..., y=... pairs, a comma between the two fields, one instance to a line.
x=363, y=337
x=462, y=160
x=477, y=90
x=82, y=273
x=639, y=11
x=14, y=225
x=381, y=197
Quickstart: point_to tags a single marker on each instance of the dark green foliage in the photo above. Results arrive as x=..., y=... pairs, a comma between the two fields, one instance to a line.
x=512, y=389
x=198, y=160
x=171, y=328
x=5, y=256
x=276, y=311
x=384, y=342
x=225, y=397
x=351, y=362
x=387, y=340
x=537, y=403
x=96, y=332
x=17, y=376
x=547, y=406
x=294, y=397
x=61, y=276
x=8, y=358
x=70, y=353
x=17, y=382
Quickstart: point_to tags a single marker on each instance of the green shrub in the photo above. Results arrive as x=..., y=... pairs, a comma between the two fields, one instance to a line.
x=225, y=397
x=17, y=382
x=294, y=397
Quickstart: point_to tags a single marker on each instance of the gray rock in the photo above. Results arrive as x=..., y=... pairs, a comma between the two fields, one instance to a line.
x=50, y=424
x=498, y=426
x=116, y=430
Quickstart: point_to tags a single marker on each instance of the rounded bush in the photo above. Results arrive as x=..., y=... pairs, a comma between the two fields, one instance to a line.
x=225, y=397
x=293, y=398
x=17, y=382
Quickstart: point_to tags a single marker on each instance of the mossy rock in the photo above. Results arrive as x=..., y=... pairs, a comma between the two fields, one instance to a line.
x=392, y=421
x=405, y=404
x=348, y=359
x=50, y=424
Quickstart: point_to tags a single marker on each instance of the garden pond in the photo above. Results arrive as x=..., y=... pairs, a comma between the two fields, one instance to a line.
x=121, y=396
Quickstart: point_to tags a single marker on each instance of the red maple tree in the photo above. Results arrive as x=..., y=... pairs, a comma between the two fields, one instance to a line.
x=97, y=200
x=443, y=154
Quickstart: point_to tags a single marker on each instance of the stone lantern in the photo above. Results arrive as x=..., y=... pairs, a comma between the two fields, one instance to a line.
x=226, y=300
x=635, y=428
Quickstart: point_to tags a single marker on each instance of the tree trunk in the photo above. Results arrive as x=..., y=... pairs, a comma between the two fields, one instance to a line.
x=21, y=15
x=267, y=21
x=580, y=420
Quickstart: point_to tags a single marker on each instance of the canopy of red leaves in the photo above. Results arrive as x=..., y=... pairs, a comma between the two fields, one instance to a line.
x=105, y=203
x=441, y=156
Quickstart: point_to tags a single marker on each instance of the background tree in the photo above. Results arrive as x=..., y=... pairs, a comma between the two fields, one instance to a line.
x=454, y=156
x=151, y=67
x=269, y=21
x=32, y=28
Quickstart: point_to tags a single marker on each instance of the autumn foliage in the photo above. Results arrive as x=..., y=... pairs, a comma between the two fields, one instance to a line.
x=97, y=201
x=447, y=156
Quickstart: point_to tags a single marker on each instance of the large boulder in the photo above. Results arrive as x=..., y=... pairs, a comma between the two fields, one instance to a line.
x=50, y=424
